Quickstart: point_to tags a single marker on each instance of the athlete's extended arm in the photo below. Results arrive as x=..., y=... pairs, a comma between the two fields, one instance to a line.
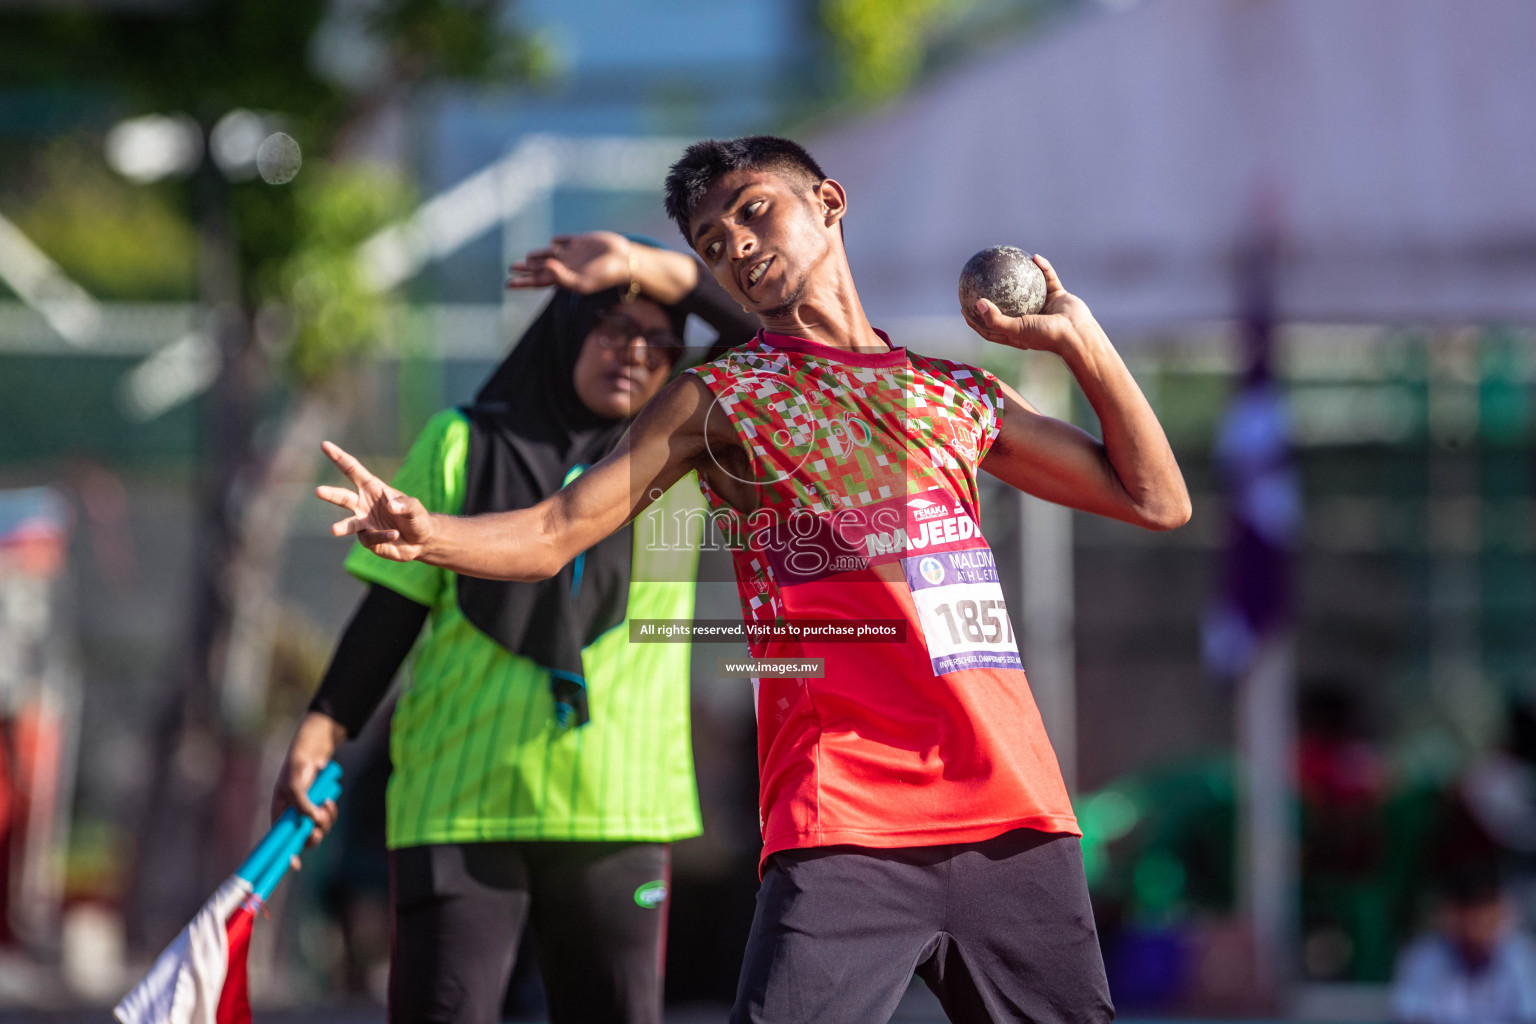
x=532, y=543
x=1130, y=475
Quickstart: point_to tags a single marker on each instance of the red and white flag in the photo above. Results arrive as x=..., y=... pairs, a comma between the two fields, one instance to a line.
x=201, y=977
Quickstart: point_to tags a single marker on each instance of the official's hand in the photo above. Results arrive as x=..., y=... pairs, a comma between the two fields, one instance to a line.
x=580, y=263
x=1056, y=325
x=387, y=522
x=314, y=744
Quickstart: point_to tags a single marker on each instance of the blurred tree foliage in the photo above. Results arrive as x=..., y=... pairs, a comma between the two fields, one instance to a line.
x=119, y=240
x=206, y=59
x=447, y=39
x=880, y=43
x=881, y=47
x=335, y=315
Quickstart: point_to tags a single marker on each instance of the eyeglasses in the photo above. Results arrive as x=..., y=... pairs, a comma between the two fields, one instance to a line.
x=615, y=331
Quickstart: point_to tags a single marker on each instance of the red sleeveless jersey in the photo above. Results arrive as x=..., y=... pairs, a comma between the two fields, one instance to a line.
x=865, y=472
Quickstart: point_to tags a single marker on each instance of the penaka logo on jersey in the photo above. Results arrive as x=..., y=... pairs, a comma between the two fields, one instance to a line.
x=922, y=509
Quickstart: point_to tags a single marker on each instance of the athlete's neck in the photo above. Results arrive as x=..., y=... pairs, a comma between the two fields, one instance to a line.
x=828, y=312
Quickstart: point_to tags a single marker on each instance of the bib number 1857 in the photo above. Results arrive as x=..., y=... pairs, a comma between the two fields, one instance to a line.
x=976, y=621
x=960, y=606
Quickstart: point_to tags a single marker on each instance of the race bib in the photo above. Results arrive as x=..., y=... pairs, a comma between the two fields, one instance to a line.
x=961, y=608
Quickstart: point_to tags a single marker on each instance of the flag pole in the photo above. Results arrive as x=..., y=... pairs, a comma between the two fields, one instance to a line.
x=327, y=786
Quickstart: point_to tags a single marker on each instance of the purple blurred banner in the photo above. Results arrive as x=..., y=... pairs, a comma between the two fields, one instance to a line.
x=1253, y=458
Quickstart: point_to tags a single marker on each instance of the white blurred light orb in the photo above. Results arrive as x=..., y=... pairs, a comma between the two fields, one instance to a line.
x=156, y=146
x=278, y=159
x=234, y=142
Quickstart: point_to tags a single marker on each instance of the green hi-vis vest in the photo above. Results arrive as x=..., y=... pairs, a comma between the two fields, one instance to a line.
x=477, y=754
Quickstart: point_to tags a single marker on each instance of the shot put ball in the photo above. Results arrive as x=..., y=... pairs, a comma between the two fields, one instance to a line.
x=1005, y=275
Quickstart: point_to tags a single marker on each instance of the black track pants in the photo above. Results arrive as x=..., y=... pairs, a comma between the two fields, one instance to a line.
x=596, y=913
x=1001, y=930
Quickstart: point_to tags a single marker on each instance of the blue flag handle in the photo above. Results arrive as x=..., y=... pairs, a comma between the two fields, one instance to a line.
x=268, y=862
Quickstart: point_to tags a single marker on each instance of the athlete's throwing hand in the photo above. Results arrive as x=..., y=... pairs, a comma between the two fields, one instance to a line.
x=1058, y=323
x=387, y=522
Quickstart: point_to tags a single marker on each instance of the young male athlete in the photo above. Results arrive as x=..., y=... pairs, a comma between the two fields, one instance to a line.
x=913, y=814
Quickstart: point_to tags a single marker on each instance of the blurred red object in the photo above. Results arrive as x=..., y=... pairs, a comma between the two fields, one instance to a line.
x=38, y=713
x=34, y=531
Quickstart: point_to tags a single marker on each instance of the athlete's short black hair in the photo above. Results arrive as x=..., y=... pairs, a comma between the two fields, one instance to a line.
x=705, y=163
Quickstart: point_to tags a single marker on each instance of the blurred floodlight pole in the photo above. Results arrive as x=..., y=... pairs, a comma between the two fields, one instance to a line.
x=1268, y=874
x=1249, y=632
x=1046, y=573
x=198, y=742
x=1458, y=683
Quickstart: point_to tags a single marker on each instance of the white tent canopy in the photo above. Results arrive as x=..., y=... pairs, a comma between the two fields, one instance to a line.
x=1394, y=142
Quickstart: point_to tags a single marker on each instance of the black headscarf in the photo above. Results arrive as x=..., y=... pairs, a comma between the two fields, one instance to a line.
x=530, y=434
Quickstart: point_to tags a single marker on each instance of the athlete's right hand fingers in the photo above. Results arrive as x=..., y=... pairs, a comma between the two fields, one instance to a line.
x=347, y=527
x=992, y=323
x=349, y=466
x=347, y=499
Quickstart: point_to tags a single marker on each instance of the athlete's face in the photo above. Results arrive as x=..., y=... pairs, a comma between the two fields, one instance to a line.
x=763, y=235
x=626, y=359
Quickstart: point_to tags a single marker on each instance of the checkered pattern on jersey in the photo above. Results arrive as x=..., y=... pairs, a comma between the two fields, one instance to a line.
x=822, y=435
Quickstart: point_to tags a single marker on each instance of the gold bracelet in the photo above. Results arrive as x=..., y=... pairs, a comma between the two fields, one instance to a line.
x=634, y=282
